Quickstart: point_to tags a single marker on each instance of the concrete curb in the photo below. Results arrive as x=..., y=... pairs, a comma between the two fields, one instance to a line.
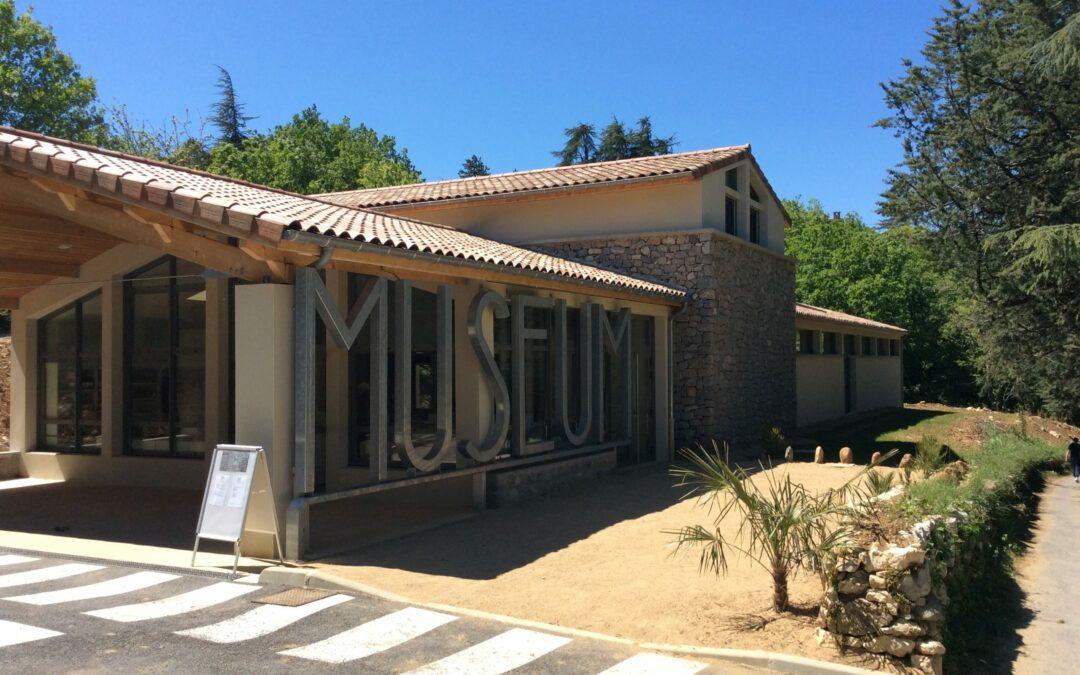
x=301, y=577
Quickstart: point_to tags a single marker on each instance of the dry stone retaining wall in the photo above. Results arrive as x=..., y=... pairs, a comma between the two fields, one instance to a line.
x=734, y=360
x=890, y=599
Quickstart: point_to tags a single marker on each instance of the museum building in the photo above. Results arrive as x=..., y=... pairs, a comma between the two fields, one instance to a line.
x=395, y=350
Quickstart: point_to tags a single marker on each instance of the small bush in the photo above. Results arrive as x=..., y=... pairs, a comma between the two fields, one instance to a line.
x=879, y=482
x=930, y=455
x=773, y=442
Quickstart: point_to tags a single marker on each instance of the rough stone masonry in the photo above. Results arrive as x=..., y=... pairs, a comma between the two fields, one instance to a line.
x=734, y=370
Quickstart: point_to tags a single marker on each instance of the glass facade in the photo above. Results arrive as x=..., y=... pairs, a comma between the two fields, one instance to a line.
x=69, y=378
x=165, y=359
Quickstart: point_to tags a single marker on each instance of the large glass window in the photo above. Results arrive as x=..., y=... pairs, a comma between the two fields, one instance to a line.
x=69, y=378
x=731, y=209
x=755, y=226
x=165, y=359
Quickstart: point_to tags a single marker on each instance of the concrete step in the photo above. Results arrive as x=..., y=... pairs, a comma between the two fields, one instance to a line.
x=11, y=465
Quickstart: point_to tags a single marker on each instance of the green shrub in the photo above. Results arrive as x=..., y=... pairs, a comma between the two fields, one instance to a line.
x=996, y=504
x=879, y=482
x=930, y=455
x=773, y=442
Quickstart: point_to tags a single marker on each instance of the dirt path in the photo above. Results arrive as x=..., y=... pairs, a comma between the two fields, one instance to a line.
x=1050, y=577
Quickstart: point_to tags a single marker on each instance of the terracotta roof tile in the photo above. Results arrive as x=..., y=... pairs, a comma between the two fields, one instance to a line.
x=254, y=209
x=696, y=164
x=804, y=311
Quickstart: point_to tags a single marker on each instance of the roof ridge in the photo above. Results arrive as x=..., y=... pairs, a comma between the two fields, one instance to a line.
x=506, y=174
x=206, y=174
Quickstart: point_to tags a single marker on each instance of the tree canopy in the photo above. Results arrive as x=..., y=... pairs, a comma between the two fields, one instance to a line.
x=41, y=87
x=889, y=276
x=310, y=154
x=616, y=142
x=473, y=166
x=989, y=122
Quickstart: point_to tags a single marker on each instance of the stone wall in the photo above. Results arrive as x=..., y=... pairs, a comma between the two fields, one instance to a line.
x=734, y=355
x=889, y=599
x=516, y=485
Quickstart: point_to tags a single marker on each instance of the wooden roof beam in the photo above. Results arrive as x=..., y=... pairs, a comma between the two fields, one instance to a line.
x=9, y=303
x=114, y=221
x=42, y=268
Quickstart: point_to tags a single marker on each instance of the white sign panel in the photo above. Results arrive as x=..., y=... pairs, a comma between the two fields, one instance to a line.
x=229, y=492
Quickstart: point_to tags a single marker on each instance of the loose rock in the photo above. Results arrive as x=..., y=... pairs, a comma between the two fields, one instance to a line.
x=819, y=455
x=847, y=456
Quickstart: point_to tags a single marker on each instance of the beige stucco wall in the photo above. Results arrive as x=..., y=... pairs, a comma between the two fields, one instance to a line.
x=819, y=386
x=671, y=207
x=878, y=382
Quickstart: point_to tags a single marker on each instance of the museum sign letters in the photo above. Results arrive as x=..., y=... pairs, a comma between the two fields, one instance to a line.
x=597, y=335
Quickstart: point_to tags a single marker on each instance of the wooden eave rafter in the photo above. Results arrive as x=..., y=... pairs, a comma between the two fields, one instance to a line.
x=130, y=223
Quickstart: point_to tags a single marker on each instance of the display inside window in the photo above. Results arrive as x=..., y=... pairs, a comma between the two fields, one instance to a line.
x=69, y=378
x=165, y=359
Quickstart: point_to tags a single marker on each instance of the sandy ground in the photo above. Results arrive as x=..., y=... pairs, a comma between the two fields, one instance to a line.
x=599, y=558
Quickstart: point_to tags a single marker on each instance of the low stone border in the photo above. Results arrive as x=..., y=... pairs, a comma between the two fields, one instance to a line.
x=301, y=577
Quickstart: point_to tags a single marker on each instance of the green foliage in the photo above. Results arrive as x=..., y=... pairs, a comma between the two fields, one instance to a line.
x=783, y=527
x=930, y=455
x=174, y=142
x=989, y=121
x=773, y=442
x=845, y=265
x=879, y=482
x=616, y=142
x=41, y=87
x=996, y=504
x=228, y=113
x=311, y=155
x=473, y=166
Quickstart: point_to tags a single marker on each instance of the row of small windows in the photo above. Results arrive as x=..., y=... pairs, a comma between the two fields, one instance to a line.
x=825, y=342
x=731, y=209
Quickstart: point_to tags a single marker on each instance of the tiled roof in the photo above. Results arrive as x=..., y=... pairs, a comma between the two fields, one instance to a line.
x=254, y=210
x=695, y=164
x=804, y=311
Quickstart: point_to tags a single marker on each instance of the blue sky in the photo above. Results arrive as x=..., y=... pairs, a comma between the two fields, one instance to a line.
x=798, y=80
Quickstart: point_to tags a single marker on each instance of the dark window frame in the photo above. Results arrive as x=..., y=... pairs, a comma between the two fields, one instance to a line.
x=894, y=347
x=77, y=305
x=731, y=215
x=868, y=345
x=755, y=226
x=732, y=175
x=807, y=341
x=754, y=194
x=830, y=343
x=174, y=341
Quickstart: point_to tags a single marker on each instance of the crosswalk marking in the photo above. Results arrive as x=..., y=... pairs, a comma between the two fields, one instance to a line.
x=12, y=633
x=646, y=663
x=500, y=654
x=201, y=598
x=102, y=589
x=373, y=637
x=260, y=621
x=12, y=559
x=46, y=574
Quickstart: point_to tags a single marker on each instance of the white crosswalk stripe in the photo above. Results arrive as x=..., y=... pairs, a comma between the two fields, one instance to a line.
x=201, y=598
x=12, y=633
x=102, y=589
x=500, y=654
x=647, y=664
x=46, y=574
x=260, y=621
x=12, y=559
x=373, y=637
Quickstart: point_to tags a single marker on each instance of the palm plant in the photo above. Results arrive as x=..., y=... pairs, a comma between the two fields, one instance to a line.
x=879, y=483
x=930, y=455
x=783, y=527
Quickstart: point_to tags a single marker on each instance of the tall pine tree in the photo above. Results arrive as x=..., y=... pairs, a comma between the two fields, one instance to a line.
x=228, y=113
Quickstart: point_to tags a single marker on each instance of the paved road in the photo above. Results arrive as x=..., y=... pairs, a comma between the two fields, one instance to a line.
x=61, y=615
x=1050, y=576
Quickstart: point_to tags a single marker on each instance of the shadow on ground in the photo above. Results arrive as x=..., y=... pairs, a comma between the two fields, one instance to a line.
x=513, y=536
x=862, y=436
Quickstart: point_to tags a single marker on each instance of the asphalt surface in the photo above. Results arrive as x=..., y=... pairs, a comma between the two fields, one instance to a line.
x=95, y=620
x=1050, y=580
